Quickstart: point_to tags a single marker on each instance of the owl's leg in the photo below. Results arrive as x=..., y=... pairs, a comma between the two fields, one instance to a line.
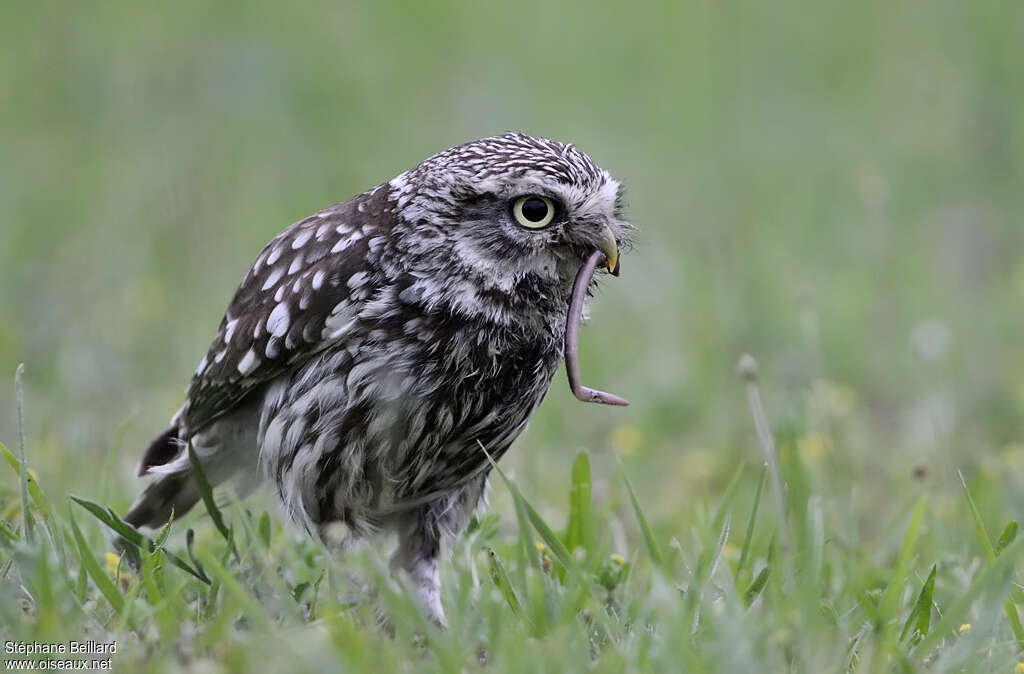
x=418, y=554
x=421, y=534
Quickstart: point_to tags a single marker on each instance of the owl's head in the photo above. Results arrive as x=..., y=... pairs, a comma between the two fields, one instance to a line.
x=509, y=206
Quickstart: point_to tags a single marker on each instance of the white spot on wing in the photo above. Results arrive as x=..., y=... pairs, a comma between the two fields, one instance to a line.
x=274, y=277
x=279, y=320
x=202, y=366
x=229, y=330
x=274, y=255
x=273, y=347
x=357, y=279
x=250, y=361
x=301, y=239
x=318, y=279
x=296, y=264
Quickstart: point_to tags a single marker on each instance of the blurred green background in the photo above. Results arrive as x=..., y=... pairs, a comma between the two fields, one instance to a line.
x=834, y=187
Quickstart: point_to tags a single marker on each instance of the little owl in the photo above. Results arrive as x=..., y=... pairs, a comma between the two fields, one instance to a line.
x=375, y=348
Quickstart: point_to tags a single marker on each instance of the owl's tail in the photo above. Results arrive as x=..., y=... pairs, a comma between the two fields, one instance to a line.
x=174, y=491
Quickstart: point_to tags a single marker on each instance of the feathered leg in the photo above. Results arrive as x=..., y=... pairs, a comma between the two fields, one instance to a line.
x=418, y=554
x=421, y=534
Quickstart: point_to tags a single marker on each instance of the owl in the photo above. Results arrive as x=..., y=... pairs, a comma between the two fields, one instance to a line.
x=374, y=349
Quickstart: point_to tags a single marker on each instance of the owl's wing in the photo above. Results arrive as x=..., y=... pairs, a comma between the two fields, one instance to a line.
x=300, y=296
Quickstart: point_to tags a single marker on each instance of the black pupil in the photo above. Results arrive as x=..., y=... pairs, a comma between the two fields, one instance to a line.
x=535, y=209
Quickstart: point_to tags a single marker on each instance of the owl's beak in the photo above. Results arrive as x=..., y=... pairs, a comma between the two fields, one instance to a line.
x=610, y=247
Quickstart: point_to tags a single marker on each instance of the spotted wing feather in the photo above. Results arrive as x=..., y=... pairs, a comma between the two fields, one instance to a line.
x=286, y=308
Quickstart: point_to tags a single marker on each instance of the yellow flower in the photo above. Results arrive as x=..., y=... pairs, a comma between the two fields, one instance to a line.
x=965, y=628
x=814, y=446
x=696, y=466
x=835, y=398
x=1013, y=454
x=1019, y=669
x=618, y=559
x=112, y=562
x=545, y=560
x=626, y=439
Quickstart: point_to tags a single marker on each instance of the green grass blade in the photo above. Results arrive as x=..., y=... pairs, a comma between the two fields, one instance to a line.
x=26, y=512
x=527, y=550
x=745, y=551
x=1005, y=538
x=549, y=537
x=7, y=533
x=150, y=571
x=727, y=496
x=127, y=618
x=979, y=525
x=134, y=536
x=103, y=582
x=1009, y=608
x=249, y=605
x=994, y=574
x=653, y=549
x=206, y=491
x=504, y=584
x=575, y=578
x=748, y=369
x=263, y=528
x=35, y=492
x=888, y=606
x=42, y=505
x=579, y=533
x=920, y=616
x=890, y=599
x=706, y=564
x=756, y=586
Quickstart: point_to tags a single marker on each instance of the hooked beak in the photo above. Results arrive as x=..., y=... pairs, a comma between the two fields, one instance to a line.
x=610, y=248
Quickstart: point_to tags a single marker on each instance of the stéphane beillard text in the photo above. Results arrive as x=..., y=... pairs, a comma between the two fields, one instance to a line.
x=60, y=648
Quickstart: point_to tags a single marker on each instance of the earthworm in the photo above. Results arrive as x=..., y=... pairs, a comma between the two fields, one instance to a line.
x=572, y=335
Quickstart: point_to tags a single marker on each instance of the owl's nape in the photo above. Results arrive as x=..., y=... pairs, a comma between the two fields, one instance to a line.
x=373, y=347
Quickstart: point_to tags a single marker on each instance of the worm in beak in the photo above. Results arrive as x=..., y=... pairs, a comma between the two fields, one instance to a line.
x=607, y=254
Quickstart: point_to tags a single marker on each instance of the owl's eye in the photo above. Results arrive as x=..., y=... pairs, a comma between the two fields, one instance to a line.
x=533, y=211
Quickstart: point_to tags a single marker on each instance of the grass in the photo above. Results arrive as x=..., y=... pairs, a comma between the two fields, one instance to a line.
x=602, y=590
